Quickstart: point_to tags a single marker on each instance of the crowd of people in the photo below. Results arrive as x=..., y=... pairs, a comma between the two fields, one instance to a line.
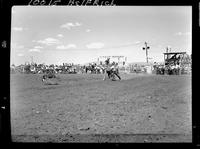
x=170, y=69
x=35, y=68
x=109, y=69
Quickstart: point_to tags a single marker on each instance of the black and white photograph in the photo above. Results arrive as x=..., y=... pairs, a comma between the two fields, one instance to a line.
x=100, y=74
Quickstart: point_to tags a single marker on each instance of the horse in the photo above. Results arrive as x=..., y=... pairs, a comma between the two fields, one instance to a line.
x=48, y=75
x=108, y=71
x=27, y=69
x=90, y=68
x=112, y=71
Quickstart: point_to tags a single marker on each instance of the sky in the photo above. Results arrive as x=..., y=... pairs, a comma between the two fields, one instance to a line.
x=71, y=34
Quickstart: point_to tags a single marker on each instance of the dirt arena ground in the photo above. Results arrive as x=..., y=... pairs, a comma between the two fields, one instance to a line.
x=84, y=108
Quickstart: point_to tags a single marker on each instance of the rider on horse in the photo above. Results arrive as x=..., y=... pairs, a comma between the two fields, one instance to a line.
x=107, y=68
x=48, y=74
x=115, y=70
x=111, y=70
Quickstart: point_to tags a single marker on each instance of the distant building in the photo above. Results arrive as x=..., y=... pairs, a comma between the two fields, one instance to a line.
x=121, y=60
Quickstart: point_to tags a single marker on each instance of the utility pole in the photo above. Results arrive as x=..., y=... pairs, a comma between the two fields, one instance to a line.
x=167, y=52
x=146, y=48
x=168, y=49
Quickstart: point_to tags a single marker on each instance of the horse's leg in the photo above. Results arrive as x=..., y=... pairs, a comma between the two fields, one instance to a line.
x=117, y=74
x=109, y=74
x=44, y=77
x=105, y=73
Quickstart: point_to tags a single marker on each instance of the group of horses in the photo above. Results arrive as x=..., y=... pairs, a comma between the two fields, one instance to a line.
x=94, y=69
x=106, y=69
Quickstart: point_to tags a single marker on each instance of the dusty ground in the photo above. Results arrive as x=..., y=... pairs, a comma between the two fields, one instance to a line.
x=84, y=108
